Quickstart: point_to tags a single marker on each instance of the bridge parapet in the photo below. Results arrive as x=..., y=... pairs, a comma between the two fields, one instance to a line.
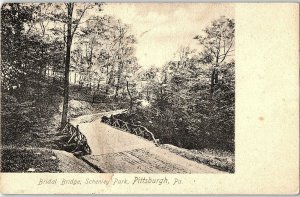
x=77, y=143
x=138, y=130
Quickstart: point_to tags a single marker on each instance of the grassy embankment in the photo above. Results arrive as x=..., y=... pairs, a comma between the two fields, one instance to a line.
x=30, y=121
x=209, y=154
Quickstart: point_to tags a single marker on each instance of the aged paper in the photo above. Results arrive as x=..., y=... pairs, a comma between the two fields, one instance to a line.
x=266, y=108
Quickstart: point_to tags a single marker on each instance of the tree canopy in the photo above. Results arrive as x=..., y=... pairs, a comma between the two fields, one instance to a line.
x=191, y=98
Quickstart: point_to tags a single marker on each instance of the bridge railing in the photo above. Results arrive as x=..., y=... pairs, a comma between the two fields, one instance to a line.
x=138, y=130
x=77, y=142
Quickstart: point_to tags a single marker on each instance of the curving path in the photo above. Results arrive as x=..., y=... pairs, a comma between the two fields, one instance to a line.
x=116, y=151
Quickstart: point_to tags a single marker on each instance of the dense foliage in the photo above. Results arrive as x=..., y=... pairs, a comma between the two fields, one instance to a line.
x=189, y=100
x=192, y=98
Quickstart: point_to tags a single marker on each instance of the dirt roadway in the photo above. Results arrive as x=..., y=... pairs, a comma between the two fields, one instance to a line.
x=91, y=117
x=115, y=151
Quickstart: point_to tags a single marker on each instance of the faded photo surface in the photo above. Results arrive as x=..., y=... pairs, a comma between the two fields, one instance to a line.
x=149, y=98
x=135, y=88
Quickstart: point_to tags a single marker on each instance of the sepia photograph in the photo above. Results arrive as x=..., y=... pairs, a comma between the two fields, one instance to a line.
x=117, y=88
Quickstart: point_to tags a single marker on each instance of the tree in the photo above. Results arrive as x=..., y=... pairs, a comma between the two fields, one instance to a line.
x=16, y=43
x=131, y=83
x=120, y=55
x=218, y=45
x=71, y=15
x=186, y=113
x=106, y=49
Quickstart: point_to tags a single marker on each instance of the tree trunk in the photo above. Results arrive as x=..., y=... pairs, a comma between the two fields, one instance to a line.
x=131, y=101
x=214, y=80
x=117, y=88
x=45, y=71
x=42, y=62
x=111, y=79
x=110, y=82
x=93, y=97
x=116, y=93
x=67, y=67
x=120, y=70
x=106, y=89
x=147, y=95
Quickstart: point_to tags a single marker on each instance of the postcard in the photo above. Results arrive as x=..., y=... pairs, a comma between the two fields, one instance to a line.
x=149, y=98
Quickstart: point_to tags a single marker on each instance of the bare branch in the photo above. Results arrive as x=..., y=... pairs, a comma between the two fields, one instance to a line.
x=231, y=43
x=80, y=17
